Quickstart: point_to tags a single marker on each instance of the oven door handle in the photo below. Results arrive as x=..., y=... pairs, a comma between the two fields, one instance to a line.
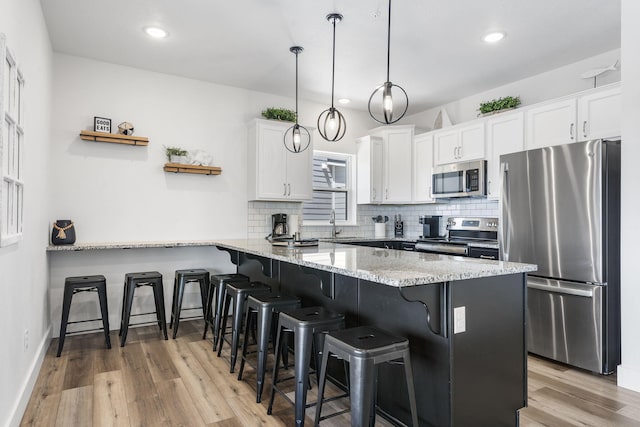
x=446, y=249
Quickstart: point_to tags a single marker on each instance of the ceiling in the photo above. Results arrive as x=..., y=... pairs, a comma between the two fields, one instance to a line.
x=437, y=52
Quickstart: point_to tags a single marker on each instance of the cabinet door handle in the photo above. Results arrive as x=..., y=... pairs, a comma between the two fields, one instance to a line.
x=289, y=192
x=374, y=193
x=285, y=189
x=460, y=152
x=489, y=187
x=387, y=194
x=455, y=153
x=584, y=128
x=571, y=130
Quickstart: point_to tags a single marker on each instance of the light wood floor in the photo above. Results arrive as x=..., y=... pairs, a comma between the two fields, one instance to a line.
x=152, y=382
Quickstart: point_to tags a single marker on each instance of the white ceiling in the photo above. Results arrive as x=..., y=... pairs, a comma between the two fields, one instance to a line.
x=437, y=54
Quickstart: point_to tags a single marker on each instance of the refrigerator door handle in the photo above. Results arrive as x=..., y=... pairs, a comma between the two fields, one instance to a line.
x=503, y=231
x=560, y=290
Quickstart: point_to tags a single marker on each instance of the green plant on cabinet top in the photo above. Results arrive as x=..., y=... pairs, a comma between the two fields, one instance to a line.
x=279, y=114
x=506, y=103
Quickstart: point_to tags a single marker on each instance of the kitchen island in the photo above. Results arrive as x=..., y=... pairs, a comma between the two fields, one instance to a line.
x=464, y=318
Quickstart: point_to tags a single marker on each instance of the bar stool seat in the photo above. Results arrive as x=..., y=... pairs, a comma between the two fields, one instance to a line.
x=215, y=297
x=132, y=281
x=182, y=277
x=365, y=347
x=237, y=294
x=77, y=284
x=264, y=306
x=309, y=326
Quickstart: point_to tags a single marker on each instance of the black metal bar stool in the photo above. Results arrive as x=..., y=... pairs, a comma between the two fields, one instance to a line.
x=216, y=295
x=74, y=285
x=132, y=281
x=264, y=307
x=365, y=347
x=237, y=294
x=309, y=326
x=181, y=279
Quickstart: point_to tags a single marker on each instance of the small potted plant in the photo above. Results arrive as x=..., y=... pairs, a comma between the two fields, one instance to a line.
x=176, y=154
x=497, y=105
x=279, y=114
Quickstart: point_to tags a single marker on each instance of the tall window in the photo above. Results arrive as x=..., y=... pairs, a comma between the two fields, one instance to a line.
x=11, y=147
x=332, y=181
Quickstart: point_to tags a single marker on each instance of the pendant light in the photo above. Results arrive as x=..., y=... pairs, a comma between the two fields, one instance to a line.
x=331, y=123
x=297, y=138
x=387, y=116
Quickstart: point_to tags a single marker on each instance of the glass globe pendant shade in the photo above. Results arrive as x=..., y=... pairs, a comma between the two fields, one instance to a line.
x=332, y=125
x=384, y=112
x=297, y=138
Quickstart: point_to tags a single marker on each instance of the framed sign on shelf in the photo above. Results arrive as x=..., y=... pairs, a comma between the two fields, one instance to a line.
x=101, y=124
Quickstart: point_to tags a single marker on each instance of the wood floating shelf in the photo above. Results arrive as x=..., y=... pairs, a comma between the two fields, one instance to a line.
x=89, y=135
x=201, y=170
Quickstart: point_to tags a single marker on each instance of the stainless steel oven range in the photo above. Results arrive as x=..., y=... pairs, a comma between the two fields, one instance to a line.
x=466, y=236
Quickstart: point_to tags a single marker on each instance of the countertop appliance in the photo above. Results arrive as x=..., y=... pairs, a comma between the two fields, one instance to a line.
x=430, y=225
x=468, y=179
x=561, y=211
x=463, y=235
x=279, y=226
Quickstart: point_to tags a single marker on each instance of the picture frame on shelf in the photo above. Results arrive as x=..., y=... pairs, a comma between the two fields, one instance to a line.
x=101, y=124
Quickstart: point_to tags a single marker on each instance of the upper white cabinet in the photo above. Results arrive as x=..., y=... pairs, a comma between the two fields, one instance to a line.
x=599, y=114
x=592, y=115
x=385, y=170
x=275, y=173
x=422, y=168
x=459, y=144
x=505, y=134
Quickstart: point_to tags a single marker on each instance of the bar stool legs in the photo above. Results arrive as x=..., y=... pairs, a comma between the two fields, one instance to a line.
x=181, y=279
x=132, y=281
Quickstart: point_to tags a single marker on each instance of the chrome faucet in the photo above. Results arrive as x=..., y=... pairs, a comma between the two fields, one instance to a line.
x=332, y=221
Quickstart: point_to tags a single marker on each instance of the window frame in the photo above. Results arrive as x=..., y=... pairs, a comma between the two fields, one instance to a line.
x=12, y=137
x=349, y=190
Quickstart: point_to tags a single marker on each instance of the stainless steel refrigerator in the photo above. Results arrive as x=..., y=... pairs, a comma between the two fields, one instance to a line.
x=561, y=210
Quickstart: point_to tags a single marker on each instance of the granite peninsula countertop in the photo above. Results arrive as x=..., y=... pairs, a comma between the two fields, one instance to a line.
x=386, y=266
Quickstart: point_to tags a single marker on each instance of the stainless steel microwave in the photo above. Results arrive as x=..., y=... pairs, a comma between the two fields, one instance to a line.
x=468, y=179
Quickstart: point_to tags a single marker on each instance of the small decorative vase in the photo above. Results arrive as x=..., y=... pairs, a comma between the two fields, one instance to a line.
x=179, y=159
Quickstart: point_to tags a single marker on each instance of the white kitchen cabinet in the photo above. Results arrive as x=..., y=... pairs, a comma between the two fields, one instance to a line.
x=369, y=170
x=422, y=167
x=599, y=114
x=459, y=144
x=275, y=173
x=385, y=172
x=505, y=134
x=593, y=114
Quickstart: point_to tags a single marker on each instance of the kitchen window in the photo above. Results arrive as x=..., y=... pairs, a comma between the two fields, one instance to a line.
x=11, y=147
x=333, y=177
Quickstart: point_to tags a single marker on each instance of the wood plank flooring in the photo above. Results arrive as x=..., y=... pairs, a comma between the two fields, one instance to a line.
x=182, y=382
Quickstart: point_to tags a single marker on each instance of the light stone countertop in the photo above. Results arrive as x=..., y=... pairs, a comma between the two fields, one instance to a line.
x=387, y=266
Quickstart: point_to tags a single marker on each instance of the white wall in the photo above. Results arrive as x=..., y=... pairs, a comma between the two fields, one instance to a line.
x=23, y=266
x=541, y=87
x=120, y=193
x=629, y=370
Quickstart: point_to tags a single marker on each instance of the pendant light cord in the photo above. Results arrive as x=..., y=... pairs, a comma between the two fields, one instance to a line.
x=389, y=41
x=333, y=69
x=297, y=87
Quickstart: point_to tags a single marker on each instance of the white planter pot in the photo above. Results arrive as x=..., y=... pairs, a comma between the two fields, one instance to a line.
x=179, y=159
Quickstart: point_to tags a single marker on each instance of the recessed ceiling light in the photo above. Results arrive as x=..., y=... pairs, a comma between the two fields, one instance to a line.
x=344, y=101
x=493, y=37
x=156, y=32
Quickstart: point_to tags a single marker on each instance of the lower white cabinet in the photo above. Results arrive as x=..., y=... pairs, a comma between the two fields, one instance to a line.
x=422, y=168
x=275, y=173
x=505, y=134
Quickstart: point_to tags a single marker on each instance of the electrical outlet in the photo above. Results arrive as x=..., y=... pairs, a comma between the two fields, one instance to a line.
x=26, y=339
x=459, y=319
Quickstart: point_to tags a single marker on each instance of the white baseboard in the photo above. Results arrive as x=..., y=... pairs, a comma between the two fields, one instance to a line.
x=629, y=377
x=27, y=388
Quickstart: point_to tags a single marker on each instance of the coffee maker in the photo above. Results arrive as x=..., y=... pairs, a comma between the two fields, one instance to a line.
x=279, y=224
x=430, y=225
